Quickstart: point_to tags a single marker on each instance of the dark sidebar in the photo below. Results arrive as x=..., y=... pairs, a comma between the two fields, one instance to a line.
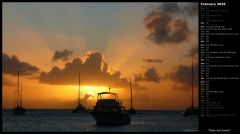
x=219, y=66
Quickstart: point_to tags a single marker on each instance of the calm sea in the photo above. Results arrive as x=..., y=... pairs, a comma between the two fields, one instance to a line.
x=65, y=120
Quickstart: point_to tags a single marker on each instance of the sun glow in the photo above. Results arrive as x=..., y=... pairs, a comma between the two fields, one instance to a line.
x=90, y=95
x=90, y=91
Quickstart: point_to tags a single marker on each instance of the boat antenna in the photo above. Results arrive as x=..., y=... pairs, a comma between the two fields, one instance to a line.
x=192, y=83
x=131, y=92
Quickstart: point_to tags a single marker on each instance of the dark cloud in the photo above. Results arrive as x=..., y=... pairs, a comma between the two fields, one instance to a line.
x=150, y=75
x=191, y=9
x=166, y=25
x=64, y=55
x=170, y=7
x=164, y=28
x=182, y=76
x=93, y=71
x=11, y=65
x=153, y=60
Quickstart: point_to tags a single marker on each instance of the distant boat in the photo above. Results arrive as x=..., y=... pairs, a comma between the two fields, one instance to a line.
x=18, y=109
x=131, y=110
x=80, y=107
x=191, y=110
x=109, y=110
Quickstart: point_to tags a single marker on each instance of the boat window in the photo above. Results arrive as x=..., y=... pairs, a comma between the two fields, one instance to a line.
x=108, y=96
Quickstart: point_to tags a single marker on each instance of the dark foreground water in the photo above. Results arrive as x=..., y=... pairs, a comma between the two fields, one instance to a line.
x=65, y=120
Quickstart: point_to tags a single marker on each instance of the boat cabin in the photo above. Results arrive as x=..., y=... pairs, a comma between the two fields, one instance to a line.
x=108, y=102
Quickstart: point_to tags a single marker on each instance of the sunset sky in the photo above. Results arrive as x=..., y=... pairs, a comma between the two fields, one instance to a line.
x=108, y=43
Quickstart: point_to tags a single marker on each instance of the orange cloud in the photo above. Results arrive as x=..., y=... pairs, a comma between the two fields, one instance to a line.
x=93, y=71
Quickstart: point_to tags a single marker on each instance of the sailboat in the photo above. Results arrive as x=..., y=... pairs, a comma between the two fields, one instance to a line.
x=191, y=110
x=131, y=110
x=80, y=107
x=18, y=109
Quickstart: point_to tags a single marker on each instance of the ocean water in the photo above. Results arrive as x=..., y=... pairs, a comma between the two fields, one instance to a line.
x=66, y=121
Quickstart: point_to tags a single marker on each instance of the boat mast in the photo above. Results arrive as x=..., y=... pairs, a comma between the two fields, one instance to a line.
x=15, y=97
x=192, y=83
x=21, y=96
x=79, y=89
x=131, y=92
x=18, y=92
